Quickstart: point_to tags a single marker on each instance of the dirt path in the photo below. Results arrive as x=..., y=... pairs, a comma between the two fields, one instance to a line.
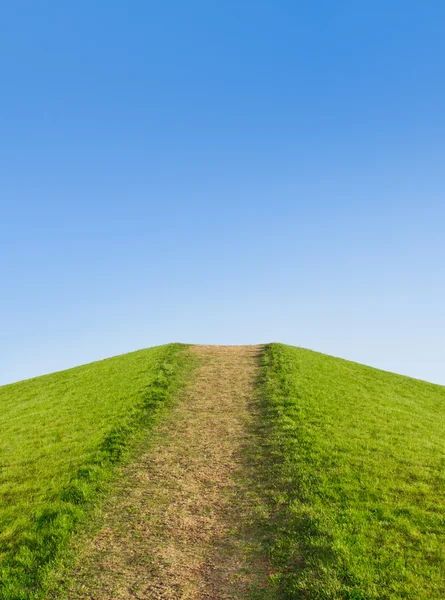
x=176, y=529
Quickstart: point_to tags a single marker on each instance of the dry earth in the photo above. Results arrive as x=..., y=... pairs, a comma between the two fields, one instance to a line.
x=178, y=526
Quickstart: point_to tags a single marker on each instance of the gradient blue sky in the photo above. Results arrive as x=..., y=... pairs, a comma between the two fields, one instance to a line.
x=222, y=172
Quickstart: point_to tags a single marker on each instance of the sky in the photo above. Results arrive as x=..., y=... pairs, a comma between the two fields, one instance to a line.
x=222, y=173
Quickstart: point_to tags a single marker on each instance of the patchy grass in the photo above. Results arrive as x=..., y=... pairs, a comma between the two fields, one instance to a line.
x=173, y=526
x=61, y=437
x=357, y=479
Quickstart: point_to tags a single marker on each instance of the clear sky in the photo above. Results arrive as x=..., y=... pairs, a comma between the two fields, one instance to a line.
x=222, y=172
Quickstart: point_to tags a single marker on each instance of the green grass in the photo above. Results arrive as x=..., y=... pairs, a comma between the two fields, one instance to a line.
x=61, y=437
x=357, y=479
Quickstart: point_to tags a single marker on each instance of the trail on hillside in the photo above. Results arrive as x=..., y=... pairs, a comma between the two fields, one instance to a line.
x=177, y=528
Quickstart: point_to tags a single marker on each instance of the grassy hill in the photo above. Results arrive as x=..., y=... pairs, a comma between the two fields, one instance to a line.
x=60, y=437
x=349, y=466
x=357, y=466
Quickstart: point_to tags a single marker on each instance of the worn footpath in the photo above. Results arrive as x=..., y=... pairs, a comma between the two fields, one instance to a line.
x=178, y=526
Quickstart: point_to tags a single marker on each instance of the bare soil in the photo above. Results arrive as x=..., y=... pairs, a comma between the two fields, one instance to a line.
x=178, y=526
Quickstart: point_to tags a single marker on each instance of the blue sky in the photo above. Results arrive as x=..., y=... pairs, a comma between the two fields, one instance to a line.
x=233, y=172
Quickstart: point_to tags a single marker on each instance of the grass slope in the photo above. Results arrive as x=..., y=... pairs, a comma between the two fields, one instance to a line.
x=61, y=436
x=358, y=479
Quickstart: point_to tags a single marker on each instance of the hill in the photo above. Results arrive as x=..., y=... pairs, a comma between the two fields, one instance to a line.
x=278, y=472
